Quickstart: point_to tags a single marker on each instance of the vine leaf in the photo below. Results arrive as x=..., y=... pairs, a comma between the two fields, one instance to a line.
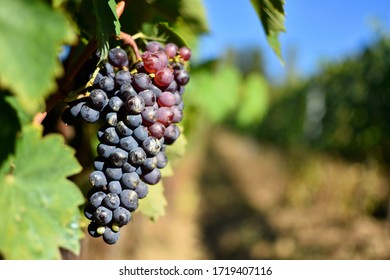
x=30, y=39
x=154, y=204
x=271, y=13
x=169, y=34
x=224, y=84
x=107, y=24
x=39, y=204
x=254, y=102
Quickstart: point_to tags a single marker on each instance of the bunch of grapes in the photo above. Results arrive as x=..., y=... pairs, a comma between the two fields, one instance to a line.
x=140, y=106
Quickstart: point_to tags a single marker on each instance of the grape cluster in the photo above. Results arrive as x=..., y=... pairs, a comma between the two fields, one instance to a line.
x=140, y=107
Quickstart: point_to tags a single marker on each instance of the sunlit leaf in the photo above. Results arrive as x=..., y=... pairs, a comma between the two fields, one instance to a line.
x=154, y=204
x=39, y=204
x=30, y=40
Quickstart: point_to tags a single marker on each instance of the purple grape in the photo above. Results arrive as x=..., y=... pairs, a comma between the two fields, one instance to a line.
x=118, y=57
x=163, y=77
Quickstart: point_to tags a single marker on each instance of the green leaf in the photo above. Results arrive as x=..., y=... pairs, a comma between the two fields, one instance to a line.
x=154, y=204
x=30, y=40
x=254, y=102
x=216, y=94
x=169, y=34
x=39, y=204
x=107, y=24
x=193, y=14
x=271, y=13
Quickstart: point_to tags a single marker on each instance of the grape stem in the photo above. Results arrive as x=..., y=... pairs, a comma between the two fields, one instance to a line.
x=65, y=84
x=129, y=40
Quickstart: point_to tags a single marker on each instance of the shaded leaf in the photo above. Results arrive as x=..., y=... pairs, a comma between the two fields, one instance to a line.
x=271, y=13
x=167, y=33
x=30, y=39
x=10, y=125
x=107, y=24
x=39, y=204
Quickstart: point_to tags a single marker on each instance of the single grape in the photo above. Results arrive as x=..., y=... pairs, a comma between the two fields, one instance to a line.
x=182, y=77
x=97, y=179
x=152, y=63
x=130, y=180
x=114, y=187
x=107, y=83
x=185, y=53
x=153, y=177
x=151, y=145
x=135, y=104
x=121, y=216
x=148, y=116
x=111, y=201
x=103, y=215
x=171, y=50
x=157, y=130
x=162, y=160
x=118, y=57
x=142, y=190
x=166, y=99
x=115, y=103
x=164, y=115
x=112, y=118
x=141, y=81
x=98, y=98
x=172, y=132
x=118, y=157
x=129, y=200
x=96, y=199
x=137, y=156
x=88, y=114
x=163, y=77
x=148, y=96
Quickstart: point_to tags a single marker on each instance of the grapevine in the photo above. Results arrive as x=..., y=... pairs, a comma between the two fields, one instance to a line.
x=140, y=105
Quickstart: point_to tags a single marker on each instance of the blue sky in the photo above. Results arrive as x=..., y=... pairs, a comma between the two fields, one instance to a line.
x=316, y=30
